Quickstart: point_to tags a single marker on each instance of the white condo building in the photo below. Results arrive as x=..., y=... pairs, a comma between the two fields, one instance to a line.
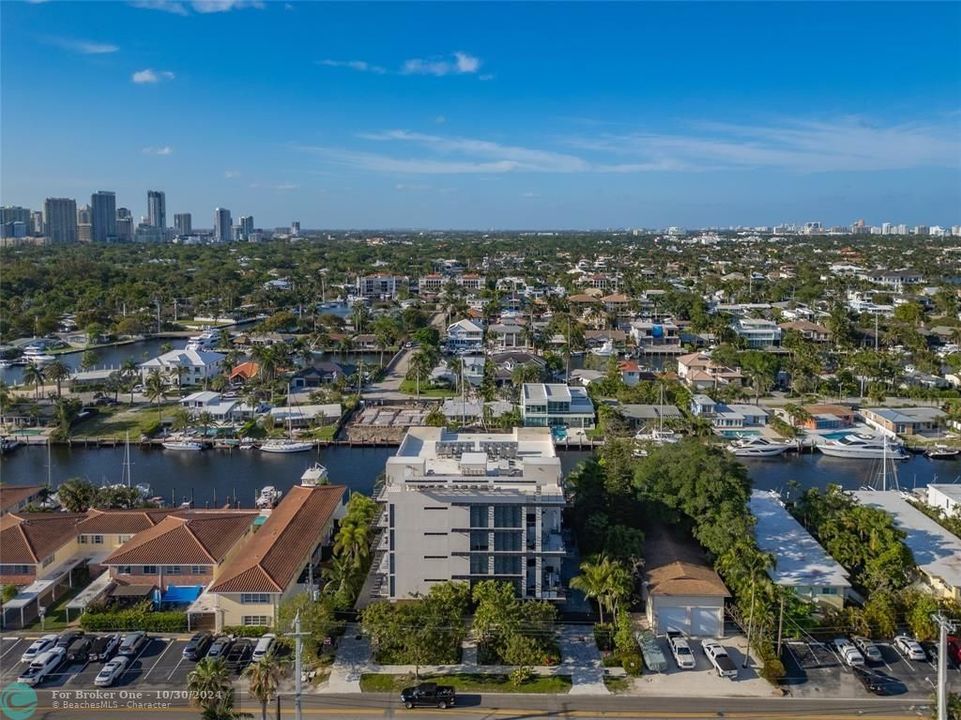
x=472, y=507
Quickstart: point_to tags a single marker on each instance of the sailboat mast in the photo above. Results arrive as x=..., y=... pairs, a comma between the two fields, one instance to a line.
x=884, y=465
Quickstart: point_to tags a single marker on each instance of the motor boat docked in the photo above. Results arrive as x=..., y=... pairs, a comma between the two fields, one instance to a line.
x=191, y=445
x=658, y=436
x=942, y=452
x=858, y=446
x=605, y=350
x=316, y=474
x=8, y=445
x=285, y=446
x=206, y=340
x=268, y=498
x=758, y=447
x=37, y=355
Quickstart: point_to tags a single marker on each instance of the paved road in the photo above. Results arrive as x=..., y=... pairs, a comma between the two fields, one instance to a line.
x=354, y=707
x=389, y=387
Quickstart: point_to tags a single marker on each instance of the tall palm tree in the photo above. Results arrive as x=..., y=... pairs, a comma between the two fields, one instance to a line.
x=33, y=375
x=605, y=581
x=57, y=371
x=205, y=420
x=208, y=682
x=264, y=677
x=353, y=542
x=155, y=388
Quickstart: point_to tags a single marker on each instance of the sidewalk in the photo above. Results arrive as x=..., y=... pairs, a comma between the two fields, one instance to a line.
x=579, y=658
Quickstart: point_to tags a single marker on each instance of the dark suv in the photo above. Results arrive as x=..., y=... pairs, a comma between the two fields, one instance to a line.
x=198, y=646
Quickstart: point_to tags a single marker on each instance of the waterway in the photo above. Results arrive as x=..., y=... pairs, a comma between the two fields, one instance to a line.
x=212, y=477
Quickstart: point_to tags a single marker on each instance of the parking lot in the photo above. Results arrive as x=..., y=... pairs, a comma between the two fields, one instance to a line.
x=815, y=670
x=159, y=664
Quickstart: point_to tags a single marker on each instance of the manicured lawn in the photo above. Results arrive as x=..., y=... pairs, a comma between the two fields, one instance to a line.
x=117, y=420
x=326, y=432
x=410, y=387
x=468, y=682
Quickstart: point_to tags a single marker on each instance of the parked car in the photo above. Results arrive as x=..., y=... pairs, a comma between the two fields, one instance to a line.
x=954, y=650
x=38, y=647
x=910, y=648
x=220, y=646
x=131, y=643
x=264, y=646
x=878, y=683
x=720, y=659
x=870, y=651
x=42, y=666
x=79, y=650
x=104, y=648
x=681, y=651
x=66, y=638
x=111, y=672
x=198, y=646
x=851, y=656
x=428, y=694
x=238, y=657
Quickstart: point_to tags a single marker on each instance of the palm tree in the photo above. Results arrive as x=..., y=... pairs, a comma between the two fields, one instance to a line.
x=604, y=580
x=353, y=542
x=155, y=388
x=129, y=372
x=33, y=375
x=263, y=677
x=57, y=371
x=208, y=682
x=76, y=495
x=205, y=420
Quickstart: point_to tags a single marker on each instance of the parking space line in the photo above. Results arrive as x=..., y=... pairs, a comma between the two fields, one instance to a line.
x=130, y=665
x=170, y=644
x=77, y=673
x=13, y=646
x=176, y=667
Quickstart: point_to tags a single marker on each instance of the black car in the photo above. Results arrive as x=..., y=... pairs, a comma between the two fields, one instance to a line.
x=220, y=646
x=79, y=650
x=104, y=648
x=428, y=694
x=879, y=683
x=198, y=646
x=66, y=639
x=238, y=657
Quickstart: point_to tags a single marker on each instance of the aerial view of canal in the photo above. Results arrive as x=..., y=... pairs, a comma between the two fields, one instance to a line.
x=214, y=477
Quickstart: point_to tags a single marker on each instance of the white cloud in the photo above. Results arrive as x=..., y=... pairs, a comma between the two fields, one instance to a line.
x=358, y=65
x=219, y=6
x=440, y=119
x=278, y=187
x=459, y=63
x=149, y=76
x=84, y=47
x=162, y=150
x=229, y=174
x=169, y=6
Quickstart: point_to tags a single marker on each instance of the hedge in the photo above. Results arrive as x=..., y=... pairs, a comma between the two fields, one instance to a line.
x=246, y=630
x=135, y=619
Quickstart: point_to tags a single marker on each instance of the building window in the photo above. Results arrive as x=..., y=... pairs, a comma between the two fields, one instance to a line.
x=507, y=516
x=434, y=507
x=256, y=620
x=254, y=599
x=149, y=570
x=507, y=565
x=98, y=539
x=16, y=569
x=391, y=514
x=123, y=569
x=479, y=515
x=198, y=570
x=507, y=541
x=479, y=565
x=479, y=540
x=82, y=540
x=174, y=570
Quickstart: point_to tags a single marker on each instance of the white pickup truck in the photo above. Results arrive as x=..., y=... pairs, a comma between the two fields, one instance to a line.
x=720, y=659
x=681, y=651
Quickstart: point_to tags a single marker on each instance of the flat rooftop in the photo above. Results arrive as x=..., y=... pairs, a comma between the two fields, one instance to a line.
x=936, y=551
x=952, y=491
x=799, y=560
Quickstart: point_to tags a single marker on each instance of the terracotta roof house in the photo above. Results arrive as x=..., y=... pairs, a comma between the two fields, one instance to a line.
x=184, y=548
x=244, y=372
x=17, y=497
x=249, y=589
x=35, y=544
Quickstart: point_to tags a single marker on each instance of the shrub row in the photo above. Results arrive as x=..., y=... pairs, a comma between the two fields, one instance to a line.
x=135, y=619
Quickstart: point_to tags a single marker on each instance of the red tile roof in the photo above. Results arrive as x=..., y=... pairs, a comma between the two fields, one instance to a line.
x=28, y=538
x=125, y=522
x=193, y=538
x=276, y=554
x=13, y=495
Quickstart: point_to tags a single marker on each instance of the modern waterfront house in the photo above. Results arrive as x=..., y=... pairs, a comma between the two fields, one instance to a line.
x=185, y=367
x=472, y=507
x=800, y=563
x=556, y=405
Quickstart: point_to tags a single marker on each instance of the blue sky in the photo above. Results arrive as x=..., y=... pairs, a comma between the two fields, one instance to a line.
x=488, y=116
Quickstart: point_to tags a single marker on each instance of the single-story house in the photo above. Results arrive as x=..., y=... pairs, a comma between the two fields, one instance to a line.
x=639, y=416
x=303, y=416
x=244, y=372
x=904, y=421
x=323, y=373
x=827, y=417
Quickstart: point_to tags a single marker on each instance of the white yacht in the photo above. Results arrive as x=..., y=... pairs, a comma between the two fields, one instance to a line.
x=316, y=474
x=182, y=445
x=605, y=350
x=207, y=340
x=858, y=446
x=758, y=447
x=658, y=436
x=36, y=355
x=285, y=446
x=268, y=498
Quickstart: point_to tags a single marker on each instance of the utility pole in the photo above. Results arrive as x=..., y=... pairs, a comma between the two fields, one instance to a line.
x=298, y=666
x=944, y=625
x=750, y=623
x=780, y=627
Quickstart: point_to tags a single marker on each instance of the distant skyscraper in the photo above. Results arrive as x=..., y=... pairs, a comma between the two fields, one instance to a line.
x=246, y=227
x=183, y=223
x=83, y=215
x=222, y=225
x=124, y=228
x=157, y=209
x=38, y=222
x=103, y=216
x=295, y=228
x=124, y=214
x=60, y=220
x=14, y=214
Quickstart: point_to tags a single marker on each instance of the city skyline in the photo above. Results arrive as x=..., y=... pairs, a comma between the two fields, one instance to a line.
x=641, y=117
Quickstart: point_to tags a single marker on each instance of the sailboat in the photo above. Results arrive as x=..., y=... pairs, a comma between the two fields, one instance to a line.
x=287, y=444
x=658, y=436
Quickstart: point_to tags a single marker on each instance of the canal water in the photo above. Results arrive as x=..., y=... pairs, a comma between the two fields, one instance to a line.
x=213, y=476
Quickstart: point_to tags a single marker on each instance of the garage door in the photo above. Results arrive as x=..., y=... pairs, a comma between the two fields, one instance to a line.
x=673, y=618
x=705, y=622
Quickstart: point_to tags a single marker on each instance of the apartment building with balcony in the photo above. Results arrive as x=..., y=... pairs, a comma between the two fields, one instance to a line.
x=472, y=507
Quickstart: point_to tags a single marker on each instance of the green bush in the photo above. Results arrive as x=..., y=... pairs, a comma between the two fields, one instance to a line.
x=633, y=663
x=135, y=619
x=772, y=670
x=250, y=631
